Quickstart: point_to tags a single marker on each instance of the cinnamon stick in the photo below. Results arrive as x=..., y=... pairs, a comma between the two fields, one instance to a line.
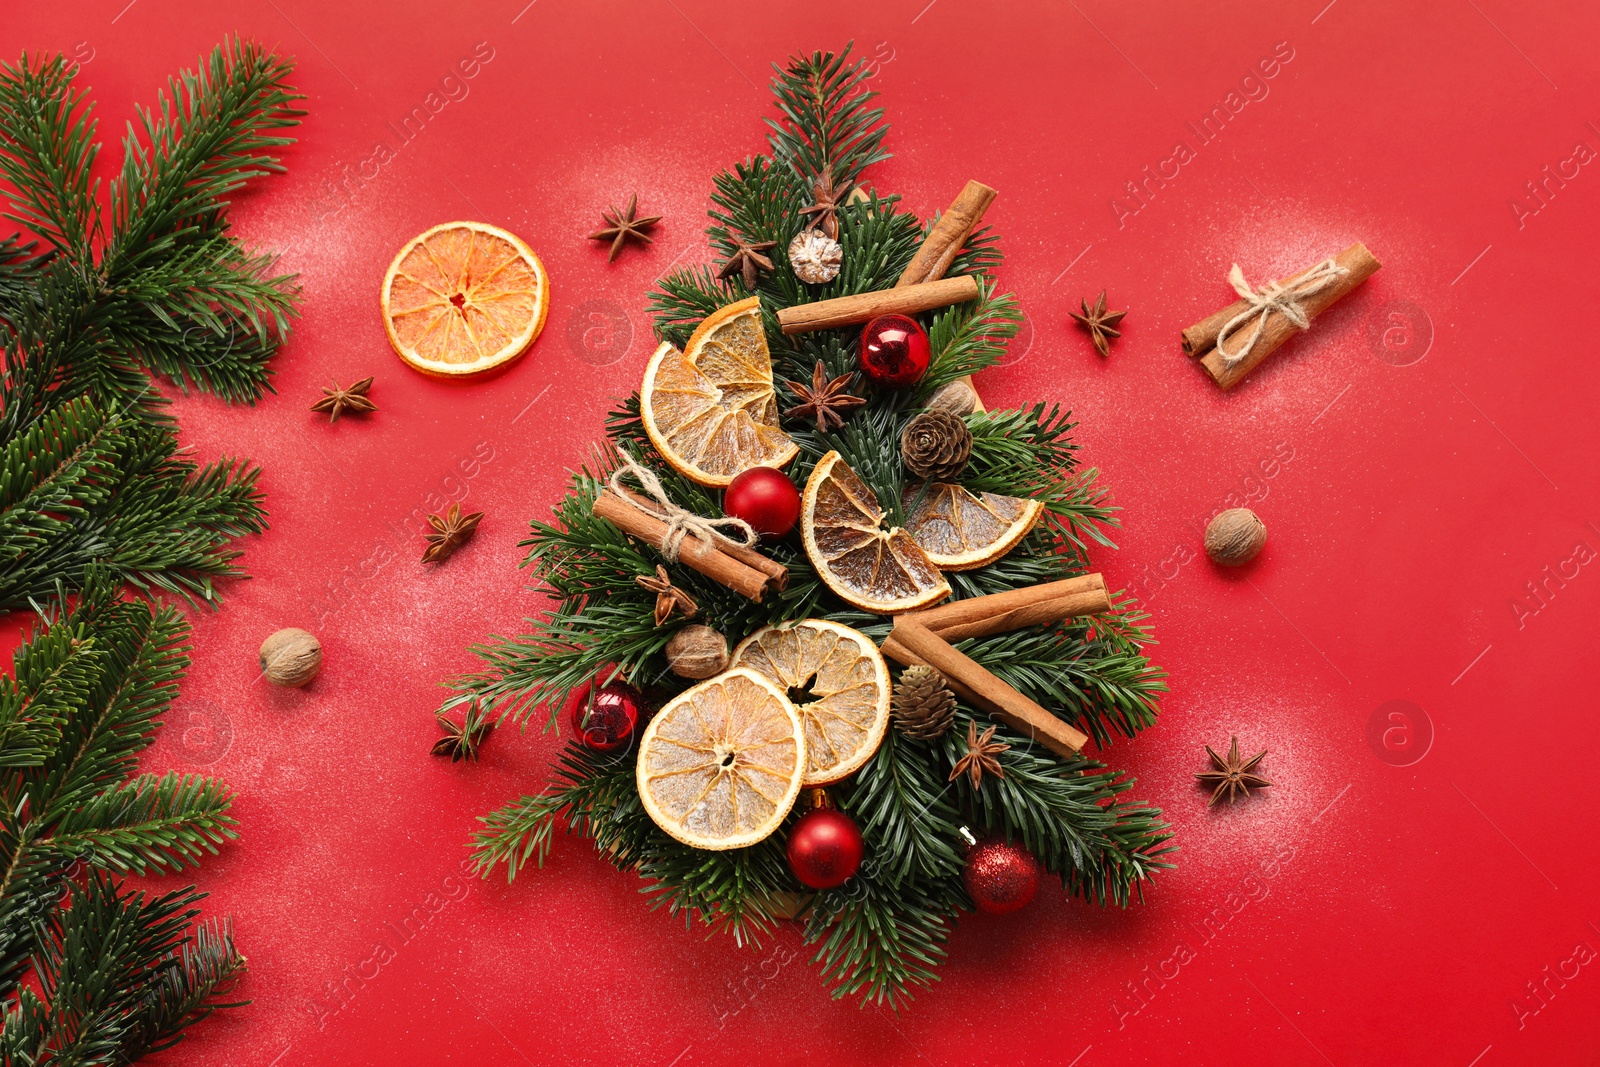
x=862, y=307
x=777, y=572
x=695, y=552
x=944, y=241
x=1201, y=338
x=1012, y=610
x=912, y=641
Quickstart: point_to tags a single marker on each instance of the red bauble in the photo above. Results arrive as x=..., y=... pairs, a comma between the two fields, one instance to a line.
x=825, y=848
x=894, y=351
x=765, y=498
x=1000, y=877
x=607, y=718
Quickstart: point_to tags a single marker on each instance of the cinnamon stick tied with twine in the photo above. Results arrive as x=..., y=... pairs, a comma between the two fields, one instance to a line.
x=1034, y=605
x=863, y=307
x=911, y=643
x=684, y=537
x=1233, y=342
x=945, y=241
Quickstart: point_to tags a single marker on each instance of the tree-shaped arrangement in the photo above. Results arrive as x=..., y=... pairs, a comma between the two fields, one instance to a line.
x=824, y=628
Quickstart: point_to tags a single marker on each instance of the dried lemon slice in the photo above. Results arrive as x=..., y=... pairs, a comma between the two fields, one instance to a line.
x=720, y=765
x=960, y=530
x=464, y=297
x=710, y=410
x=875, y=569
x=839, y=683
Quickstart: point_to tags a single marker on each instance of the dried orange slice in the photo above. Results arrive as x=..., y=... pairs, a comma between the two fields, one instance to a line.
x=875, y=569
x=960, y=530
x=710, y=410
x=720, y=765
x=464, y=297
x=838, y=682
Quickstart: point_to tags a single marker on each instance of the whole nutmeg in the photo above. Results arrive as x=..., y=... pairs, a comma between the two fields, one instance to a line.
x=1235, y=537
x=936, y=445
x=291, y=657
x=697, y=652
x=957, y=397
x=815, y=257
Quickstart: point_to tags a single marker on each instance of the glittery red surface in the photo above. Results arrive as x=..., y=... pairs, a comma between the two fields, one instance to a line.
x=1415, y=647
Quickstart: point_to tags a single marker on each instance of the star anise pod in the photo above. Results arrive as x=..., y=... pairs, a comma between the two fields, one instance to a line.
x=623, y=226
x=669, y=598
x=461, y=741
x=337, y=401
x=748, y=262
x=827, y=197
x=451, y=530
x=1233, y=774
x=824, y=399
x=1101, y=324
x=980, y=758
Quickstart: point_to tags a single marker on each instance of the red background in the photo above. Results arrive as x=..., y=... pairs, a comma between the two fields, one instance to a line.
x=1426, y=451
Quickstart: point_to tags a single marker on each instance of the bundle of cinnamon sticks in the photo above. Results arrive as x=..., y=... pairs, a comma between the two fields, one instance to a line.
x=1246, y=352
x=926, y=636
x=742, y=569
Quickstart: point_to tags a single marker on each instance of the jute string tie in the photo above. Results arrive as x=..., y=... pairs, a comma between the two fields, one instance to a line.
x=1285, y=300
x=681, y=522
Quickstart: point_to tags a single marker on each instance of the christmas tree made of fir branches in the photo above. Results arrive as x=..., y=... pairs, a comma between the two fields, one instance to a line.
x=883, y=932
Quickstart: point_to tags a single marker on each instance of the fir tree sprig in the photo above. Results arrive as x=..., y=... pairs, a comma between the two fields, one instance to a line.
x=825, y=124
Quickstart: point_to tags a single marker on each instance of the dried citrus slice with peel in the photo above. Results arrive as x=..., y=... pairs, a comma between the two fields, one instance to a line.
x=710, y=410
x=464, y=297
x=875, y=569
x=720, y=765
x=960, y=530
x=839, y=683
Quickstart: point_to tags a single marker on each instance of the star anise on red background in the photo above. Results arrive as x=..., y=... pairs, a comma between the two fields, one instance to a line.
x=669, y=598
x=461, y=741
x=748, y=262
x=451, y=530
x=980, y=758
x=1101, y=324
x=624, y=226
x=824, y=399
x=337, y=401
x=1233, y=774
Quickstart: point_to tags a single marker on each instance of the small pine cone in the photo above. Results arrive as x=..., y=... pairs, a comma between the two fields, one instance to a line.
x=936, y=445
x=923, y=705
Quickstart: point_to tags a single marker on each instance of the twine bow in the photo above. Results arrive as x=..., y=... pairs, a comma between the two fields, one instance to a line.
x=681, y=522
x=1285, y=300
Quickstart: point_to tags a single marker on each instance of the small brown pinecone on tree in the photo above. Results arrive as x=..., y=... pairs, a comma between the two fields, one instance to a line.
x=922, y=706
x=936, y=445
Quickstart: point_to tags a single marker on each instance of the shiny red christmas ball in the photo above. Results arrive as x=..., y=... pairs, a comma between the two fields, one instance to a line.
x=1000, y=877
x=825, y=848
x=766, y=499
x=606, y=718
x=894, y=351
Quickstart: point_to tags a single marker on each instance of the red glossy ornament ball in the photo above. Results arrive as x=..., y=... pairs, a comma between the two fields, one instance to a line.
x=825, y=848
x=1000, y=877
x=606, y=718
x=894, y=351
x=766, y=499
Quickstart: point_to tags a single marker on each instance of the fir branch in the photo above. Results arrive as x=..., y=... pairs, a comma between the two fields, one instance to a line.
x=47, y=150
x=206, y=970
x=826, y=124
x=880, y=940
x=1070, y=814
x=968, y=337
